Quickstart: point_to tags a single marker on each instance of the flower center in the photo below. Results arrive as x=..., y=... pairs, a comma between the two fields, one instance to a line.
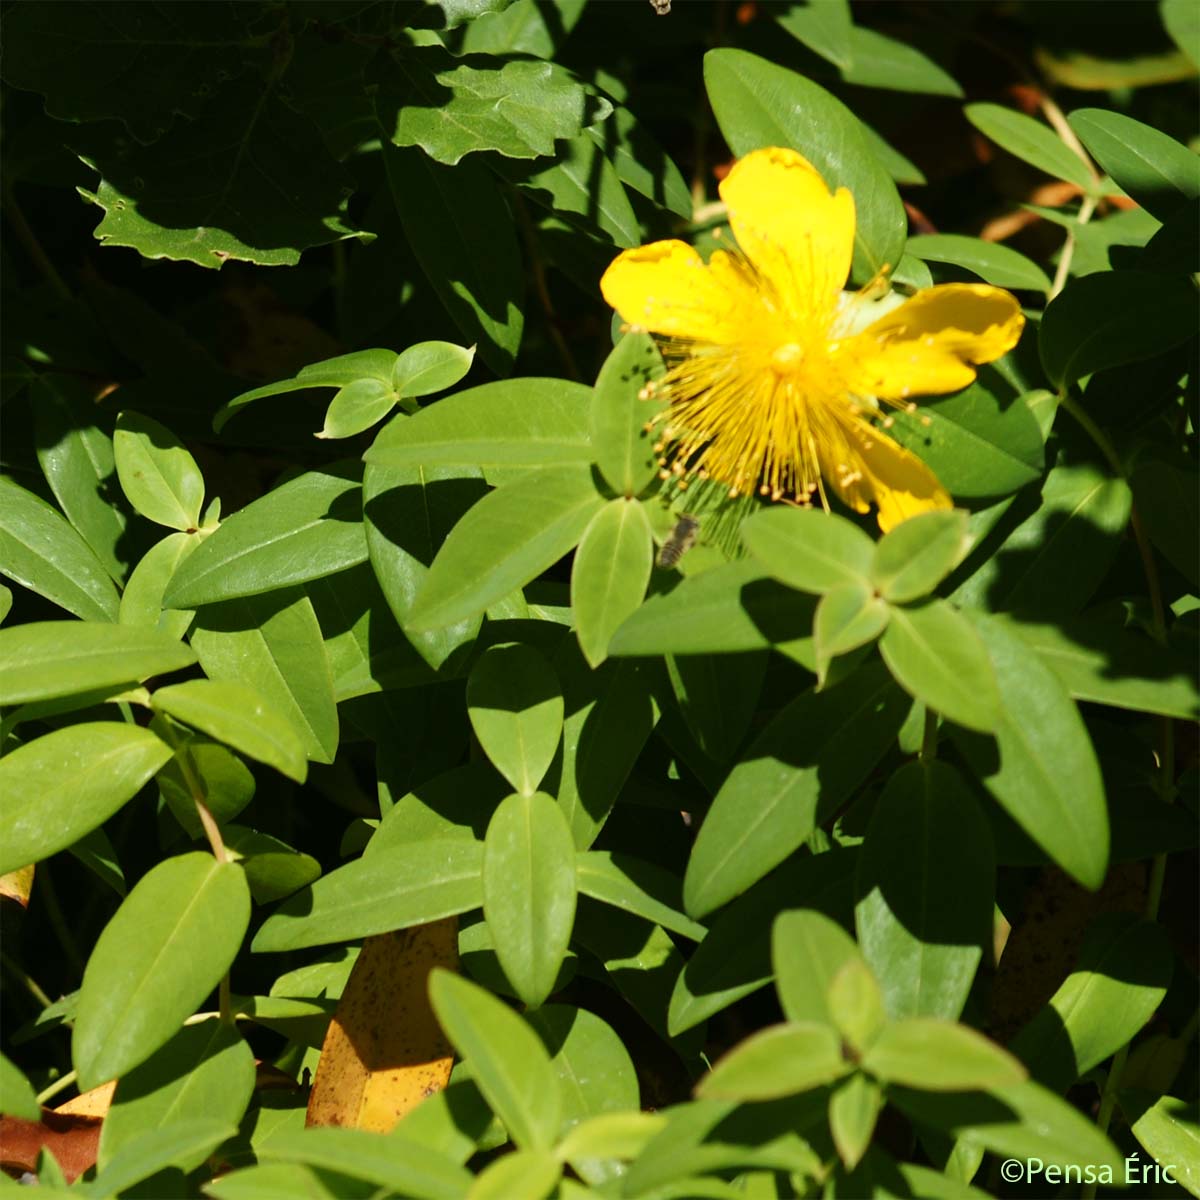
x=787, y=359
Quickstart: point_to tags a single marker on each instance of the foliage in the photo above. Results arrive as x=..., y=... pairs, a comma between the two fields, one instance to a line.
x=816, y=862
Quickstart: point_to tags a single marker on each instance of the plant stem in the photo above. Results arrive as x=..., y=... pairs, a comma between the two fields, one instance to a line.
x=59, y=1085
x=929, y=737
x=31, y=984
x=1068, y=251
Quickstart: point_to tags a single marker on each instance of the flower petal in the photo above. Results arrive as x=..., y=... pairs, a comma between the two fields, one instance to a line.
x=926, y=346
x=798, y=236
x=886, y=474
x=666, y=287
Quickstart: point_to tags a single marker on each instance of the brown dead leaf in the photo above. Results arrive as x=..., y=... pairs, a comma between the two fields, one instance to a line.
x=70, y=1137
x=384, y=1052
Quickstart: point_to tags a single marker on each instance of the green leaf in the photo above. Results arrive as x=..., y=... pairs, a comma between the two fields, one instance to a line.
x=1169, y=1129
x=856, y=1004
x=509, y=538
x=619, y=1135
x=507, y=1059
x=77, y=461
x=937, y=657
x=727, y=610
x=1121, y=977
x=458, y=225
x=155, y=1150
x=240, y=717
x=519, y=1175
x=17, y=1098
x=640, y=163
x=621, y=409
x=68, y=782
x=1168, y=500
x=1153, y=168
x=392, y=889
x=396, y=1164
x=803, y=765
x=780, y=1060
x=926, y=884
x=158, y=474
x=340, y=372
x=278, y=1181
x=914, y=557
x=223, y=780
x=305, y=529
x=848, y=616
x=515, y=705
x=759, y=104
x=883, y=62
x=164, y=950
x=825, y=26
x=1041, y=767
x=978, y=443
x=408, y=513
x=808, y=549
x=44, y=659
x=1115, y=317
x=209, y=191
x=939, y=1056
x=273, y=869
x=637, y=887
x=1052, y=561
x=141, y=601
x=509, y=423
x=1183, y=24
x=522, y=27
x=1020, y=1120
x=995, y=263
x=807, y=952
x=1031, y=142
x=40, y=551
x=1108, y=664
x=272, y=643
x=518, y=108
x=853, y=1110
x=356, y=407
x=204, y=1070
x=529, y=891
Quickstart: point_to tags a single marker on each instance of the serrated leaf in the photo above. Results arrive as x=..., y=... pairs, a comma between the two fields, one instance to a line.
x=395, y=888
x=240, y=717
x=40, y=551
x=66, y=783
x=169, y=943
x=759, y=104
x=158, y=474
x=308, y=527
x=936, y=656
x=509, y=538
x=40, y=660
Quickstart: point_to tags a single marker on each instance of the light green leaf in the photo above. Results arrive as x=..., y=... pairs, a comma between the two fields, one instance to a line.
x=508, y=1061
x=1041, y=767
x=780, y=1060
x=529, y=891
x=164, y=950
x=1158, y=172
x=848, y=616
x=811, y=756
x=304, y=529
x=856, y=1004
x=509, y=538
x=926, y=883
x=1169, y=1129
x=808, y=949
x=356, y=407
x=995, y=263
x=396, y=888
x=853, y=1110
x=17, y=1098
x=521, y=1175
x=759, y=104
x=621, y=409
x=272, y=643
x=509, y=423
x=937, y=657
x=225, y=783
x=158, y=474
x=939, y=1056
x=914, y=557
x=808, y=549
x=68, y=782
x=154, y=1150
x=515, y=705
x=240, y=717
x=273, y=869
x=141, y=601
x=40, y=551
x=44, y=659
x=883, y=62
x=825, y=26
x=1031, y=142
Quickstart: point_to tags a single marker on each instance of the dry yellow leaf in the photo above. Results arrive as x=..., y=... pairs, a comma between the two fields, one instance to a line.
x=17, y=885
x=384, y=1052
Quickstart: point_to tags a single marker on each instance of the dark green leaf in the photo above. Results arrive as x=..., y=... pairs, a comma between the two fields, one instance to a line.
x=826, y=27
x=997, y=264
x=1168, y=500
x=223, y=780
x=273, y=869
x=66, y=783
x=926, y=883
x=637, y=887
x=758, y=104
x=1030, y=141
x=883, y=62
x=169, y=943
x=156, y=1150
x=641, y=163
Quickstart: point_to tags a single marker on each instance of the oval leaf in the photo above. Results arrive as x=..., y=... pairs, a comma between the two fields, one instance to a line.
x=780, y=1060
x=808, y=549
x=157, y=473
x=621, y=408
x=996, y=264
x=430, y=367
x=939, y=1056
x=915, y=556
x=1031, y=142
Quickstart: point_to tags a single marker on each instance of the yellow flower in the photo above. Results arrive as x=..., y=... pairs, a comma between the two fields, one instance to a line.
x=773, y=384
